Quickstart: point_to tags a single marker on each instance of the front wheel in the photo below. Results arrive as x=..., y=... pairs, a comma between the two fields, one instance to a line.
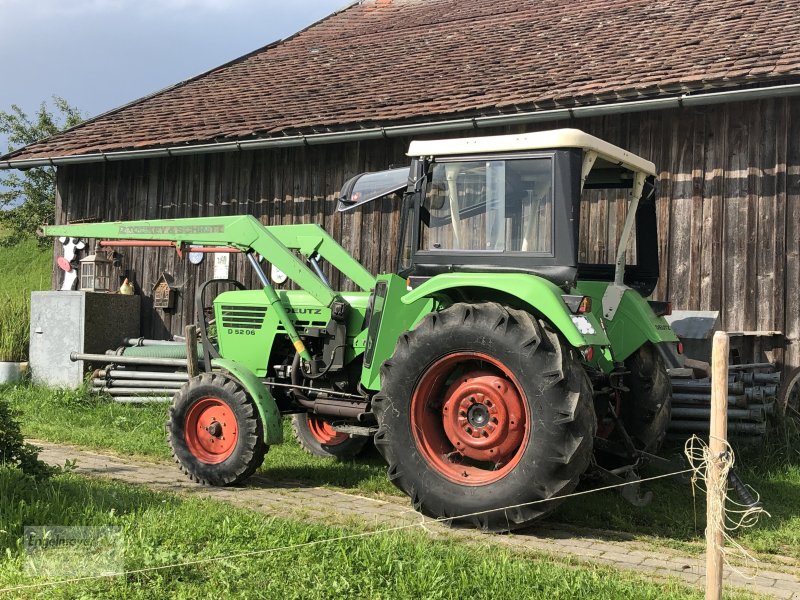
x=214, y=430
x=485, y=416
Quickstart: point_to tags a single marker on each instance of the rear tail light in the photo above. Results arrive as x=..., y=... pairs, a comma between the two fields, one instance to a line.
x=680, y=347
x=588, y=353
x=577, y=305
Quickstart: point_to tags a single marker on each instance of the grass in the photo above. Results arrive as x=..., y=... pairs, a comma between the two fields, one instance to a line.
x=675, y=518
x=25, y=267
x=159, y=528
x=14, y=329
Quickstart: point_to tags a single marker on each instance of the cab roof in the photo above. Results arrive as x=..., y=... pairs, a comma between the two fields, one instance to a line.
x=540, y=140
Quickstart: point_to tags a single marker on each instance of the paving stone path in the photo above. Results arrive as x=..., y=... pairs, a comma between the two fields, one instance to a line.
x=335, y=507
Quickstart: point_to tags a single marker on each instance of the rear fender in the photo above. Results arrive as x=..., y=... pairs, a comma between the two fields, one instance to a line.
x=634, y=323
x=262, y=398
x=534, y=293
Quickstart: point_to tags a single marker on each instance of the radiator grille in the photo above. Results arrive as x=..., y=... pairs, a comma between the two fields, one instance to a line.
x=243, y=317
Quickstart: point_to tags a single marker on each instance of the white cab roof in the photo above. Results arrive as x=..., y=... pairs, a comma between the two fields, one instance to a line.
x=540, y=140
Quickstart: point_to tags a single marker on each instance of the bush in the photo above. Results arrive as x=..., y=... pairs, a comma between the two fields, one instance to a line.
x=14, y=327
x=13, y=449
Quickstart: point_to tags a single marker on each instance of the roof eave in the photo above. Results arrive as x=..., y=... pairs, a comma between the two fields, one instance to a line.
x=422, y=128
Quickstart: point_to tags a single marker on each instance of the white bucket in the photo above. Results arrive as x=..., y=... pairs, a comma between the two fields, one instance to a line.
x=10, y=372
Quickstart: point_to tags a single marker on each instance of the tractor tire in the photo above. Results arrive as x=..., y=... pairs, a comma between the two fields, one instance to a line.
x=647, y=405
x=318, y=438
x=485, y=417
x=215, y=432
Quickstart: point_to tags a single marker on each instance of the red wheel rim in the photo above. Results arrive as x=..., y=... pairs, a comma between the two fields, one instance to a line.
x=210, y=430
x=324, y=433
x=469, y=418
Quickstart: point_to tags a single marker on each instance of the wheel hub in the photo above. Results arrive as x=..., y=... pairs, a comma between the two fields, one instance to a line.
x=210, y=430
x=215, y=429
x=478, y=415
x=484, y=416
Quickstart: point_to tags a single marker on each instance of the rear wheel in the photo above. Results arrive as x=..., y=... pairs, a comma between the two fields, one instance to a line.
x=317, y=437
x=647, y=405
x=215, y=432
x=481, y=408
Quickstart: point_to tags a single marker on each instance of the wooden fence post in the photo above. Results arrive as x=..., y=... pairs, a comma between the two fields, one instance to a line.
x=715, y=493
x=192, y=367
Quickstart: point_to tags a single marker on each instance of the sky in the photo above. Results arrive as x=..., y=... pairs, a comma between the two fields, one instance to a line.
x=100, y=54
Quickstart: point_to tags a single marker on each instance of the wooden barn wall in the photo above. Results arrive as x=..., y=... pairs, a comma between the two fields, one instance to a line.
x=728, y=207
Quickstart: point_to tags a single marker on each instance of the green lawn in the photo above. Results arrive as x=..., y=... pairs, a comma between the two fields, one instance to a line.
x=160, y=528
x=675, y=518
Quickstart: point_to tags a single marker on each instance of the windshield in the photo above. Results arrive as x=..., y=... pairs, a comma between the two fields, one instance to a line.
x=489, y=205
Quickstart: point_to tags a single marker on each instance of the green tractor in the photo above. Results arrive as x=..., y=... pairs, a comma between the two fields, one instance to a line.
x=493, y=370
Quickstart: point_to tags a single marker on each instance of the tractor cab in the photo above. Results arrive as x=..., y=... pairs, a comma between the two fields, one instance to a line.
x=522, y=203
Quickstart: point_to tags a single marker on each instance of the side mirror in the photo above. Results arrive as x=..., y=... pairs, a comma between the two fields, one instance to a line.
x=367, y=187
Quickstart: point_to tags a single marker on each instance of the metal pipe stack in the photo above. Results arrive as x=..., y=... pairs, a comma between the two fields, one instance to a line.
x=153, y=374
x=128, y=384
x=752, y=392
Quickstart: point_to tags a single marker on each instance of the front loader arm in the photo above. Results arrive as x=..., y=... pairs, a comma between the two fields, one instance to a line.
x=244, y=233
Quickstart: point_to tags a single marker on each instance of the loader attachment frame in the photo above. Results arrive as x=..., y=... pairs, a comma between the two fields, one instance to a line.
x=277, y=244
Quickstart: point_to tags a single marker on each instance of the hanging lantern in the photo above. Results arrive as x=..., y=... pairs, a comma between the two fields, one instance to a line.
x=96, y=273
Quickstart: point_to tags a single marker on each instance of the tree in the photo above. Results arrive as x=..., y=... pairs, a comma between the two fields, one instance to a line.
x=28, y=199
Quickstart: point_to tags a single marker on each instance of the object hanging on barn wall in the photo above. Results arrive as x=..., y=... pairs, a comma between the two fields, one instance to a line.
x=96, y=273
x=196, y=257
x=65, y=263
x=164, y=292
x=221, y=265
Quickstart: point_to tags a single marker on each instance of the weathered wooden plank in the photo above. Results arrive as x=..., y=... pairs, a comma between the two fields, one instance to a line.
x=765, y=176
x=792, y=237
x=781, y=168
x=696, y=218
x=681, y=211
x=715, y=123
x=664, y=195
x=735, y=228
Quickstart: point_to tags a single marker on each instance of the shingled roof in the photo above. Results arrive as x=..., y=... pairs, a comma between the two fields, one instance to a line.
x=383, y=62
